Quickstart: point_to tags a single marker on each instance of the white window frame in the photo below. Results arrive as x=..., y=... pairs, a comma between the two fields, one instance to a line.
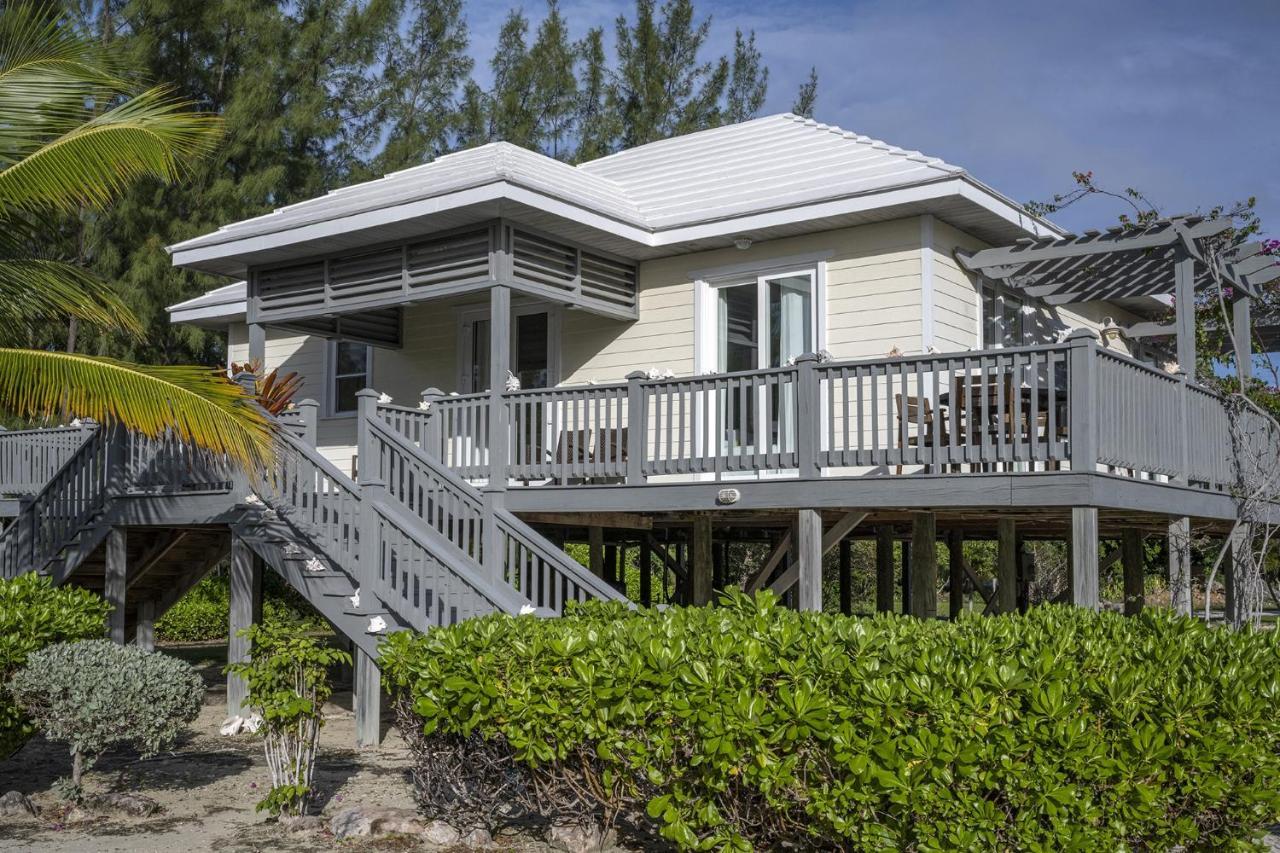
x=331, y=377
x=707, y=282
x=467, y=316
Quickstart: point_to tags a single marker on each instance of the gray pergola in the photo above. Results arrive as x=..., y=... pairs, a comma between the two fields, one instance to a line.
x=1169, y=257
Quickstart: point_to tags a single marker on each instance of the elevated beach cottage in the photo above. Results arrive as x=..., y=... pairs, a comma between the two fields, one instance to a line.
x=776, y=331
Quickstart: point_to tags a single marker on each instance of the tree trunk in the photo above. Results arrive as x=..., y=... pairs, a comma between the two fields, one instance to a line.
x=77, y=767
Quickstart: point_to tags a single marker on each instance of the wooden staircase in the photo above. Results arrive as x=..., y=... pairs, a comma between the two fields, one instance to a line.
x=411, y=546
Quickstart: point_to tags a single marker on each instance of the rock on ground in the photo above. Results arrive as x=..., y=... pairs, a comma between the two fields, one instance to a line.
x=16, y=804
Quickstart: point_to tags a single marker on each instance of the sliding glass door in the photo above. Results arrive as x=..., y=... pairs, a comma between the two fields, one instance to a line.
x=762, y=323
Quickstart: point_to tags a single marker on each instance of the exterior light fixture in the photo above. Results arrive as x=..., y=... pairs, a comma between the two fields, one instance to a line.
x=742, y=243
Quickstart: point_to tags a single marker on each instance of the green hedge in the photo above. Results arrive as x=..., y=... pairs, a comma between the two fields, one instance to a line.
x=35, y=614
x=752, y=726
x=204, y=612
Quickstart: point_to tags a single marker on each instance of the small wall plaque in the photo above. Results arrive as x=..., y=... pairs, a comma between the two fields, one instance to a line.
x=728, y=496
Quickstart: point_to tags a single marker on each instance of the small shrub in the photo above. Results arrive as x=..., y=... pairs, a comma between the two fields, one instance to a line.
x=33, y=614
x=288, y=680
x=94, y=695
x=753, y=726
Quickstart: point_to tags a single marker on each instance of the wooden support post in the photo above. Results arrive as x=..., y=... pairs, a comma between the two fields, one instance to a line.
x=1084, y=556
x=955, y=572
x=367, y=699
x=308, y=411
x=1133, y=561
x=700, y=587
x=1006, y=565
x=905, y=576
x=115, y=582
x=646, y=572
x=884, y=569
x=611, y=563
x=1242, y=330
x=144, y=634
x=924, y=565
x=809, y=558
x=595, y=551
x=246, y=610
x=846, y=576
x=1236, y=559
x=1180, y=566
x=1184, y=273
x=258, y=344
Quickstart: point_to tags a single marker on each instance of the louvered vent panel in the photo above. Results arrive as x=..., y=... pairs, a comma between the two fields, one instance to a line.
x=366, y=275
x=456, y=259
x=608, y=280
x=542, y=261
x=291, y=288
x=380, y=327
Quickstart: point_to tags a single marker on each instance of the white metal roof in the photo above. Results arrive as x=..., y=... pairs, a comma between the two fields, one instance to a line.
x=213, y=308
x=775, y=172
x=764, y=164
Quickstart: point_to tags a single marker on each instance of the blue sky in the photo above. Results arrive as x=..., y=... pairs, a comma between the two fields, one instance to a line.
x=1175, y=98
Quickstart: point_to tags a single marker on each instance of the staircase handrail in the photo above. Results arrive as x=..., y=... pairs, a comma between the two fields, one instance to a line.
x=24, y=545
x=508, y=523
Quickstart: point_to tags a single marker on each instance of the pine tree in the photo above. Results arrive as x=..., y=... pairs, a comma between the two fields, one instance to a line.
x=748, y=81
x=597, y=125
x=555, y=88
x=417, y=96
x=807, y=95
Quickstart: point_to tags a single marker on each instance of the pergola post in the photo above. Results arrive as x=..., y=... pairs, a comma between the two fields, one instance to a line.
x=1084, y=556
x=1133, y=561
x=884, y=569
x=1185, y=312
x=1242, y=330
x=809, y=554
x=1180, y=565
x=1007, y=565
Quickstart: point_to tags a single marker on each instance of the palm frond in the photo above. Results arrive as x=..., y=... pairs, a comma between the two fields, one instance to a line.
x=47, y=72
x=200, y=405
x=33, y=290
x=148, y=135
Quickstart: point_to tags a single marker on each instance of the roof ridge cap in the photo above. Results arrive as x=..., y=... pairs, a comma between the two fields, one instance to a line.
x=877, y=144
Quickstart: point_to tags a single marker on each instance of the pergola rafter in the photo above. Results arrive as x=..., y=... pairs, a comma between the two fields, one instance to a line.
x=1170, y=257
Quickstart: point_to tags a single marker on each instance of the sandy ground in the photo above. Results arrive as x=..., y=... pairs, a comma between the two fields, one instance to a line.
x=207, y=788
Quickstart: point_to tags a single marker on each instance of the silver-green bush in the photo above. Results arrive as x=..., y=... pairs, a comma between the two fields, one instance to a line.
x=94, y=695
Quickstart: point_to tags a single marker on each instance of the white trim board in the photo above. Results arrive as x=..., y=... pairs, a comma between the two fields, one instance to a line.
x=927, y=312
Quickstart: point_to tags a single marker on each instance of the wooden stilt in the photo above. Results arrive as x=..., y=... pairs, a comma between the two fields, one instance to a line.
x=846, y=576
x=1006, y=566
x=905, y=576
x=1133, y=562
x=955, y=572
x=884, y=569
x=115, y=582
x=1084, y=556
x=595, y=550
x=809, y=555
x=145, y=626
x=246, y=610
x=367, y=700
x=1180, y=564
x=924, y=565
x=646, y=572
x=701, y=570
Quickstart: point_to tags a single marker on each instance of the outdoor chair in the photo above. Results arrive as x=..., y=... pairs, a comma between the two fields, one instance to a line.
x=917, y=425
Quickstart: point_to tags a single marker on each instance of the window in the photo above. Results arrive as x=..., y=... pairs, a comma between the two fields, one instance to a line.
x=534, y=347
x=1005, y=318
x=349, y=367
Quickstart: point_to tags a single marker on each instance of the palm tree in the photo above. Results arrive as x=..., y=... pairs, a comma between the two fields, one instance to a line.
x=75, y=130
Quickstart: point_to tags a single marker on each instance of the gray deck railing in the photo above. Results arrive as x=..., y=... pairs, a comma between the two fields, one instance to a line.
x=30, y=457
x=1068, y=406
